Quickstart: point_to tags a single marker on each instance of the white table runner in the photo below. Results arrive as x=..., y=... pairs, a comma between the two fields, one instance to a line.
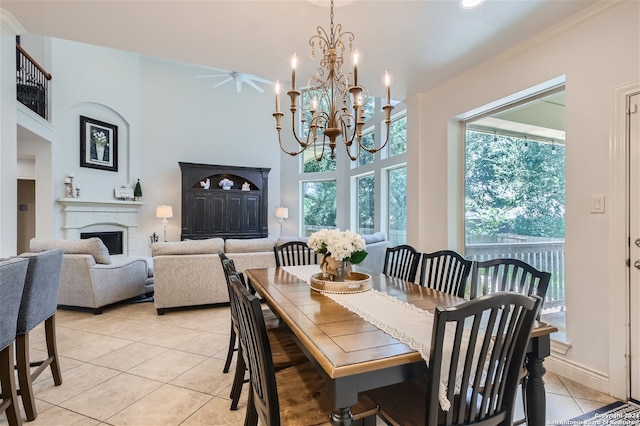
x=405, y=322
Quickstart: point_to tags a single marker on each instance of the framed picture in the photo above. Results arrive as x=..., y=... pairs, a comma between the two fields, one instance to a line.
x=98, y=144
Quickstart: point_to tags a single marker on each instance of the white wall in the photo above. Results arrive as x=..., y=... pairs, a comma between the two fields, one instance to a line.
x=596, y=56
x=8, y=136
x=164, y=115
x=184, y=119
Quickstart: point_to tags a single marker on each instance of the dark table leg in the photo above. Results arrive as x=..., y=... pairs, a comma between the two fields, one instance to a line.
x=341, y=416
x=536, y=403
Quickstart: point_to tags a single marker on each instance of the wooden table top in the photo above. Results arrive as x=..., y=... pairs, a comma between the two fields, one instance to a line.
x=341, y=342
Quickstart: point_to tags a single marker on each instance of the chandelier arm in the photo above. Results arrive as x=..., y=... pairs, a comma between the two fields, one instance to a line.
x=291, y=153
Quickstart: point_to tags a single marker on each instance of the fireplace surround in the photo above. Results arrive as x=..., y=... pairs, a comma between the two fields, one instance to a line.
x=82, y=216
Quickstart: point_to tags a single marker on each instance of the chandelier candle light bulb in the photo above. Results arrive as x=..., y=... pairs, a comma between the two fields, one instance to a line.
x=294, y=63
x=355, y=68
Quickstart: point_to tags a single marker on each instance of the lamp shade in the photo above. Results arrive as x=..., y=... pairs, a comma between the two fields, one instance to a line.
x=164, y=211
x=282, y=213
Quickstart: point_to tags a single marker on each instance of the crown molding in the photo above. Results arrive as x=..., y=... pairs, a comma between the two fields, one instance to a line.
x=10, y=23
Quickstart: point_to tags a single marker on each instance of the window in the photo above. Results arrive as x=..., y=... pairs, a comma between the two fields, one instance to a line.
x=397, y=206
x=319, y=205
x=515, y=193
x=365, y=194
x=368, y=141
x=312, y=165
x=398, y=136
x=377, y=182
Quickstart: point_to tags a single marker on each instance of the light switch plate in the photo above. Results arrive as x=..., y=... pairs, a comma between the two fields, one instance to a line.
x=597, y=204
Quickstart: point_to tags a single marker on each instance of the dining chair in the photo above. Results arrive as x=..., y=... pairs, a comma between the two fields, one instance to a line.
x=12, y=276
x=476, y=352
x=39, y=304
x=401, y=262
x=228, y=267
x=446, y=271
x=294, y=253
x=291, y=396
x=508, y=274
x=285, y=350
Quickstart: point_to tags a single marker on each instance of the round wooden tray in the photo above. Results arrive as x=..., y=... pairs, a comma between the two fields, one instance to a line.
x=357, y=283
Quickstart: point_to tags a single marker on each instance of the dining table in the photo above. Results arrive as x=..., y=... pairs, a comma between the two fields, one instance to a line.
x=354, y=355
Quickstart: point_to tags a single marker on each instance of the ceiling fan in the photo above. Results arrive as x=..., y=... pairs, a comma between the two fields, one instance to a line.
x=239, y=78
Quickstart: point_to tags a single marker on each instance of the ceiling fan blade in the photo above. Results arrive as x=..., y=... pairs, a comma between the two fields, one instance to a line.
x=258, y=79
x=223, y=82
x=212, y=75
x=254, y=85
x=239, y=85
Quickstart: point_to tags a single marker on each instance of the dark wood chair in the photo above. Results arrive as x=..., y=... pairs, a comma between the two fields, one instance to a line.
x=446, y=271
x=401, y=262
x=291, y=396
x=487, y=342
x=39, y=304
x=509, y=275
x=294, y=253
x=285, y=350
x=12, y=276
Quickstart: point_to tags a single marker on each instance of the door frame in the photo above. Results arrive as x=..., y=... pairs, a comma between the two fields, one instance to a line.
x=618, y=207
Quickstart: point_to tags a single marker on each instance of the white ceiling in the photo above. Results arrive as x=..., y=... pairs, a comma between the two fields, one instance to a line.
x=420, y=43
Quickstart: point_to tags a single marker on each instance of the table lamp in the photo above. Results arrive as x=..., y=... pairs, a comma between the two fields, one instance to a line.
x=164, y=211
x=282, y=213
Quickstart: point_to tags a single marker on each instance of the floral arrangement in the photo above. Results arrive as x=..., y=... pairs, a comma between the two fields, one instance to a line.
x=99, y=138
x=340, y=245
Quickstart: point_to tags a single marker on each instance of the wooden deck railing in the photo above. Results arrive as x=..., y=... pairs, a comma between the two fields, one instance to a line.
x=33, y=83
x=545, y=256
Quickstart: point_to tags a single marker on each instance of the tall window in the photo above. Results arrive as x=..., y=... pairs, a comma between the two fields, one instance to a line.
x=397, y=207
x=319, y=205
x=365, y=194
x=322, y=182
x=368, y=141
x=515, y=200
x=398, y=136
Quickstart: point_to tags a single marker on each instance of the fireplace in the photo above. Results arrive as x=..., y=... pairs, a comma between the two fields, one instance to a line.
x=111, y=239
x=86, y=217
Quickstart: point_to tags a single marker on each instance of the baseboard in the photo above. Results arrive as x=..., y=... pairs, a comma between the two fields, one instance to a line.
x=578, y=373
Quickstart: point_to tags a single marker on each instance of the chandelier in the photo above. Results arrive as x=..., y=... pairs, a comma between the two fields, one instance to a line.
x=334, y=107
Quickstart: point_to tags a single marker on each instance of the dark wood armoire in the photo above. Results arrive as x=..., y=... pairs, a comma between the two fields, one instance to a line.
x=224, y=201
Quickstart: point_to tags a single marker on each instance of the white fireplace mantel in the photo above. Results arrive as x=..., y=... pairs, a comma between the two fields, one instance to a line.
x=82, y=215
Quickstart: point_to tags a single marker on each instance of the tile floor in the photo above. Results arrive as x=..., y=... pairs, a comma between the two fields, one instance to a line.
x=130, y=366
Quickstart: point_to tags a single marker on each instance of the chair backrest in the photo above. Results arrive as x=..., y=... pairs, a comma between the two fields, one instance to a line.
x=401, y=262
x=256, y=349
x=40, y=295
x=445, y=270
x=487, y=338
x=229, y=269
x=515, y=275
x=294, y=253
x=12, y=275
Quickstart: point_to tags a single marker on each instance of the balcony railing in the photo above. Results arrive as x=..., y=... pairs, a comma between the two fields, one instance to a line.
x=545, y=256
x=33, y=83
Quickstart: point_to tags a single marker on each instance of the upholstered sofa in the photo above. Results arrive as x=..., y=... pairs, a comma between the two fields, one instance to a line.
x=91, y=278
x=189, y=273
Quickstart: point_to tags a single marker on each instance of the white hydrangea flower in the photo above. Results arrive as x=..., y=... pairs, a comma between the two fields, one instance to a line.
x=340, y=245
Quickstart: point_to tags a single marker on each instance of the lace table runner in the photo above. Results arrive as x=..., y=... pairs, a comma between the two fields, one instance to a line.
x=405, y=322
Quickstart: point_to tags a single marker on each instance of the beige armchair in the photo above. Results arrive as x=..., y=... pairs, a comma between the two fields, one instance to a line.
x=90, y=278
